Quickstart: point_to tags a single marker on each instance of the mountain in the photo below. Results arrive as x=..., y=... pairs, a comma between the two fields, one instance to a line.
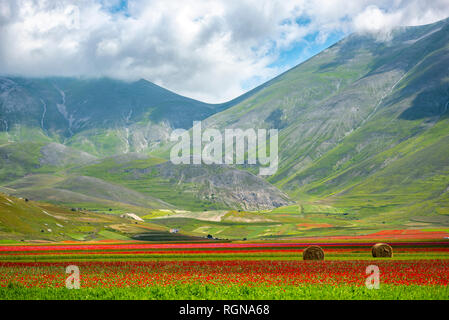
x=363, y=132
x=49, y=126
x=364, y=124
x=99, y=116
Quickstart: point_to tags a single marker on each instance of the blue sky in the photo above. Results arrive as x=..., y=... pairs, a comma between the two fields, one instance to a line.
x=116, y=6
x=306, y=47
x=208, y=50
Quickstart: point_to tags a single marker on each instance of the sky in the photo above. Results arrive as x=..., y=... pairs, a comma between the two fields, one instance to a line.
x=212, y=51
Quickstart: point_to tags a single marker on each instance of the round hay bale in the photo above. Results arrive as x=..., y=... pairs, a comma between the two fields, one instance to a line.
x=382, y=250
x=313, y=253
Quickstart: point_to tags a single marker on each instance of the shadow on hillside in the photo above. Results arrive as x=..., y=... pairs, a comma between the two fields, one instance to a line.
x=427, y=104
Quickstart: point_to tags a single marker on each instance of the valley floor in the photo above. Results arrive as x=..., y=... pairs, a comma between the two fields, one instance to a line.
x=419, y=269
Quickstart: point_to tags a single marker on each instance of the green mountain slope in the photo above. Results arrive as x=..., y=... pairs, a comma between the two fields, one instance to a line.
x=23, y=158
x=363, y=124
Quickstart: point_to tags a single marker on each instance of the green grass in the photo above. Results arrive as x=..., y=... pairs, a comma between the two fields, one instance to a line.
x=206, y=257
x=20, y=159
x=22, y=221
x=231, y=292
x=99, y=142
x=112, y=235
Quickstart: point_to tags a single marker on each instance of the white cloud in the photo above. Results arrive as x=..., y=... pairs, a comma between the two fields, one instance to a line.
x=200, y=48
x=372, y=19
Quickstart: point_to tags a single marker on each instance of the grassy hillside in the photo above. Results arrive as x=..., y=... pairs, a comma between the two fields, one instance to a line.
x=23, y=158
x=20, y=159
x=363, y=125
x=198, y=187
x=23, y=220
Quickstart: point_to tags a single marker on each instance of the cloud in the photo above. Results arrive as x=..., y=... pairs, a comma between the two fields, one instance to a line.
x=372, y=19
x=209, y=50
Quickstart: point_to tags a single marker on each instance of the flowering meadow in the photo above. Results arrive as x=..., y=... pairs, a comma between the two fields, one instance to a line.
x=223, y=271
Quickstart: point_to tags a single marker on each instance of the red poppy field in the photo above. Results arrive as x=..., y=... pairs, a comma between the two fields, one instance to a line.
x=418, y=270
